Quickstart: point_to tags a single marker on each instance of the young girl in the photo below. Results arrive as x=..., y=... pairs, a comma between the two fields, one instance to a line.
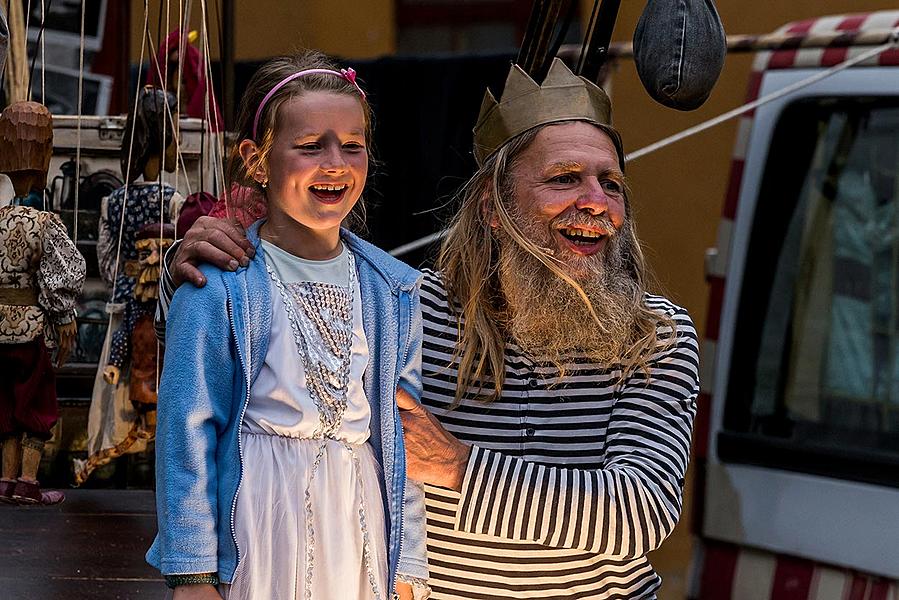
x=280, y=460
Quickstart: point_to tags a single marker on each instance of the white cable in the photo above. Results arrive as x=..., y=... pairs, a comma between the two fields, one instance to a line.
x=763, y=100
x=419, y=243
x=894, y=40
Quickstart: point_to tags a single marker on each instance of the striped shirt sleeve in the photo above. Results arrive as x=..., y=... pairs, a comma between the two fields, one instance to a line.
x=166, y=291
x=624, y=509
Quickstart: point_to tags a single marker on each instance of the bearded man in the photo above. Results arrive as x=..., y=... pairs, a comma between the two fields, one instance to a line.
x=559, y=395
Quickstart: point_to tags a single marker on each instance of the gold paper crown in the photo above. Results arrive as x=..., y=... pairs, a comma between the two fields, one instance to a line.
x=524, y=105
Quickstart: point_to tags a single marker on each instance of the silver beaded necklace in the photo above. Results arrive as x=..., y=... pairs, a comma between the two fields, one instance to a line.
x=323, y=340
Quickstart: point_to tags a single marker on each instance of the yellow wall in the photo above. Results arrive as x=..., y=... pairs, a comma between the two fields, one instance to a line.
x=264, y=28
x=679, y=191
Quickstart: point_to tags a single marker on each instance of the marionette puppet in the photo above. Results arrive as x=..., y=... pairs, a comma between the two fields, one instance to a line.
x=41, y=277
x=135, y=339
x=115, y=426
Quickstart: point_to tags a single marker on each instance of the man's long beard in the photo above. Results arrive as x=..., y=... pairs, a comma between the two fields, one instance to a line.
x=546, y=315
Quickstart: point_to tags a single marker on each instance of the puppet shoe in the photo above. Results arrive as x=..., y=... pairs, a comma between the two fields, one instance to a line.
x=30, y=493
x=6, y=488
x=51, y=497
x=27, y=492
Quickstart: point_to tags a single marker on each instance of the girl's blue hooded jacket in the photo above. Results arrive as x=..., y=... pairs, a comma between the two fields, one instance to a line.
x=216, y=341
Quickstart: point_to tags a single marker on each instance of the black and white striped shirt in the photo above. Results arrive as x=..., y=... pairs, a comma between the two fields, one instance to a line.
x=570, y=483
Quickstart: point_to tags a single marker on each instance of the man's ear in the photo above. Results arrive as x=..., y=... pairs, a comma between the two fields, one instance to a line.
x=488, y=211
x=249, y=152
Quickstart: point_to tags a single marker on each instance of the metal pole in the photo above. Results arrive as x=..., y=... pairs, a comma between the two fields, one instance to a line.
x=596, y=41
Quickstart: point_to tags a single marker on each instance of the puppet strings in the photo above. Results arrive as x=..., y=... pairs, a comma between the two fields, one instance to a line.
x=210, y=108
x=154, y=64
x=127, y=173
x=78, y=120
x=43, y=59
x=40, y=37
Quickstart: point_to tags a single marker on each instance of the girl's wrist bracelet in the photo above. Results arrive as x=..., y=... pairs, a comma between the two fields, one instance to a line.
x=174, y=581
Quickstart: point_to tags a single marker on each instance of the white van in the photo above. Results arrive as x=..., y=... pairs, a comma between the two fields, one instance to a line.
x=798, y=449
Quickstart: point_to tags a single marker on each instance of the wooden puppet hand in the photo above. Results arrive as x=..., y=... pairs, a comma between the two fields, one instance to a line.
x=214, y=241
x=111, y=374
x=433, y=455
x=65, y=340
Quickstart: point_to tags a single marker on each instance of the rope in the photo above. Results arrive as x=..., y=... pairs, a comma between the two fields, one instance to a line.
x=868, y=54
x=78, y=127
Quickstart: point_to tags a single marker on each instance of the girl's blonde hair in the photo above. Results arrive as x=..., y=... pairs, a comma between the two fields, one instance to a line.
x=468, y=261
x=270, y=74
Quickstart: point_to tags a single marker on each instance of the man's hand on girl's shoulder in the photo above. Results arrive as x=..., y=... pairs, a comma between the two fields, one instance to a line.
x=213, y=241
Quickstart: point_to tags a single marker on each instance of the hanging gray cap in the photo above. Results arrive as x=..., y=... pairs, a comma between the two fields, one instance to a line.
x=679, y=50
x=4, y=39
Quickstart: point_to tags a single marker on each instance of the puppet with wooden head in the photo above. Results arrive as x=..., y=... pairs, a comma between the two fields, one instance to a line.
x=41, y=276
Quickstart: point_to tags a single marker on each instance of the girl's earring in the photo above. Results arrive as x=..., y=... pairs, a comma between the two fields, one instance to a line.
x=264, y=184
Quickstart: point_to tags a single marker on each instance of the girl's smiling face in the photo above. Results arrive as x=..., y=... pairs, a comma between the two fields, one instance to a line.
x=318, y=163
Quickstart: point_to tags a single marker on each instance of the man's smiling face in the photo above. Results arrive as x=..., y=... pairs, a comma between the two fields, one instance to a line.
x=569, y=183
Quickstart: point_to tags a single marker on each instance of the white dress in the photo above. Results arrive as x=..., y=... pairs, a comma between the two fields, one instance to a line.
x=309, y=514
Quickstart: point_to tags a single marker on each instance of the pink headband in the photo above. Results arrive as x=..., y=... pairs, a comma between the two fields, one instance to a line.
x=348, y=74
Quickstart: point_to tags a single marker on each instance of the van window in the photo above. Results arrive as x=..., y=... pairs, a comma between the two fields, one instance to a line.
x=814, y=382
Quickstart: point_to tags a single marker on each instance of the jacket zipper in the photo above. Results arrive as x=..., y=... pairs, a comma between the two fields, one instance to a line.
x=239, y=427
x=402, y=506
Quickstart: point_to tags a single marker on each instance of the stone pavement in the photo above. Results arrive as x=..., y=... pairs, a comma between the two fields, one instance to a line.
x=90, y=547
